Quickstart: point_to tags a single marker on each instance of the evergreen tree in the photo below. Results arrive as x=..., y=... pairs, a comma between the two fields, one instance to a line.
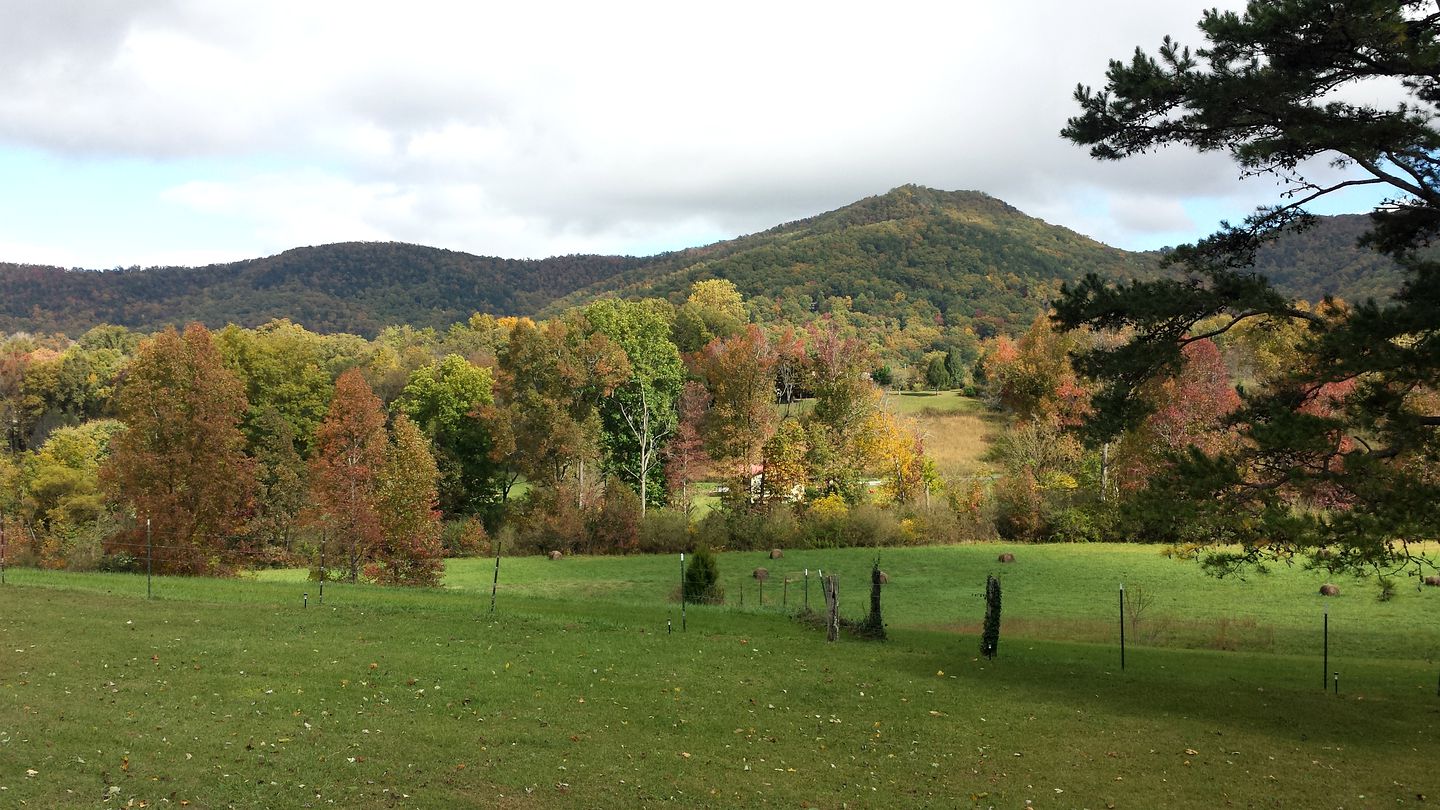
x=990, y=634
x=1269, y=88
x=702, y=578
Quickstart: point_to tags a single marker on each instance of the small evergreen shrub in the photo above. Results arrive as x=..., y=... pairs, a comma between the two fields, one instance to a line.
x=702, y=578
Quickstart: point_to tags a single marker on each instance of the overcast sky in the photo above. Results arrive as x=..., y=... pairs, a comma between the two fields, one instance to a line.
x=170, y=132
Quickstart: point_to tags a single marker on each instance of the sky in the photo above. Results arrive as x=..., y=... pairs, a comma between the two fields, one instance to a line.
x=151, y=132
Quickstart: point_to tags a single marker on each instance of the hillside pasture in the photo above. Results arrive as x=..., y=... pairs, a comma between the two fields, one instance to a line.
x=573, y=694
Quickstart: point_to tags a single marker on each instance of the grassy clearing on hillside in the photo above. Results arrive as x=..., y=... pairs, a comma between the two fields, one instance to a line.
x=229, y=693
x=958, y=430
x=941, y=402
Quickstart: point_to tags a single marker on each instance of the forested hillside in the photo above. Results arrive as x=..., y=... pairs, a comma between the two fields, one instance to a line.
x=1326, y=261
x=959, y=260
x=357, y=287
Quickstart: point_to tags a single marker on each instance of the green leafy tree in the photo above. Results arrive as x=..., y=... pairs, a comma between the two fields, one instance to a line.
x=640, y=414
x=937, y=372
x=846, y=402
x=283, y=367
x=283, y=489
x=714, y=310
x=63, y=502
x=445, y=399
x=1270, y=89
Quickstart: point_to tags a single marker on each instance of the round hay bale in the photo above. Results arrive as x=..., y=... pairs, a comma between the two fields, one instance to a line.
x=761, y=574
x=1329, y=589
x=1007, y=557
x=884, y=578
x=776, y=554
x=555, y=555
x=1433, y=580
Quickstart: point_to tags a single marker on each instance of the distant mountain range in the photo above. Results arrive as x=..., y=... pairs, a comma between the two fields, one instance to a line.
x=959, y=257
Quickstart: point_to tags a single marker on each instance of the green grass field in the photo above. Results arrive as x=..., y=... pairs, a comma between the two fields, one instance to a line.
x=222, y=693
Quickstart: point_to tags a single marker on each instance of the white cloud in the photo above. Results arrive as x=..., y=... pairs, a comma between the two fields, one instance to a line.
x=550, y=127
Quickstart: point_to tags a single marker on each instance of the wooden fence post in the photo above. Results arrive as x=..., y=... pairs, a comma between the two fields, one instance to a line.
x=831, y=586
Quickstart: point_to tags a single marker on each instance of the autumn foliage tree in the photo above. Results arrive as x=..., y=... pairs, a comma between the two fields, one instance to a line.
x=1190, y=409
x=409, y=552
x=846, y=402
x=180, y=461
x=740, y=374
x=349, y=458
x=685, y=457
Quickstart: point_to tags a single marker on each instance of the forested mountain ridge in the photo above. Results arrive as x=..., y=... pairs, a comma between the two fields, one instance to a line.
x=957, y=257
x=358, y=287
x=961, y=259
x=1325, y=260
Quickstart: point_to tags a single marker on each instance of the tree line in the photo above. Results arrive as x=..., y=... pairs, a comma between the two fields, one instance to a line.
x=374, y=458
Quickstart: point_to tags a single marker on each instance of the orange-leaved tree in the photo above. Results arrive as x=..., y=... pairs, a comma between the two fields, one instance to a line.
x=348, y=460
x=180, y=461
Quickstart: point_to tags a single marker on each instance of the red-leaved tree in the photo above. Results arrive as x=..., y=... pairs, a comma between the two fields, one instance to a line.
x=1190, y=410
x=348, y=459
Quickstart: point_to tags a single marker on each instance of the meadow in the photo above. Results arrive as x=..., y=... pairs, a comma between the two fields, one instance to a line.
x=957, y=431
x=582, y=690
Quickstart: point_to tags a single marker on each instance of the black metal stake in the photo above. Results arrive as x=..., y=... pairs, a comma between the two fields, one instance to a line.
x=323, y=574
x=807, y=588
x=762, y=592
x=683, y=624
x=1122, y=625
x=1337, y=684
x=149, y=557
x=495, y=584
x=2, y=549
x=1327, y=648
x=785, y=592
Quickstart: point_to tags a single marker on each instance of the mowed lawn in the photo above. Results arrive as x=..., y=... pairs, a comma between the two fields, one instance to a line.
x=230, y=693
